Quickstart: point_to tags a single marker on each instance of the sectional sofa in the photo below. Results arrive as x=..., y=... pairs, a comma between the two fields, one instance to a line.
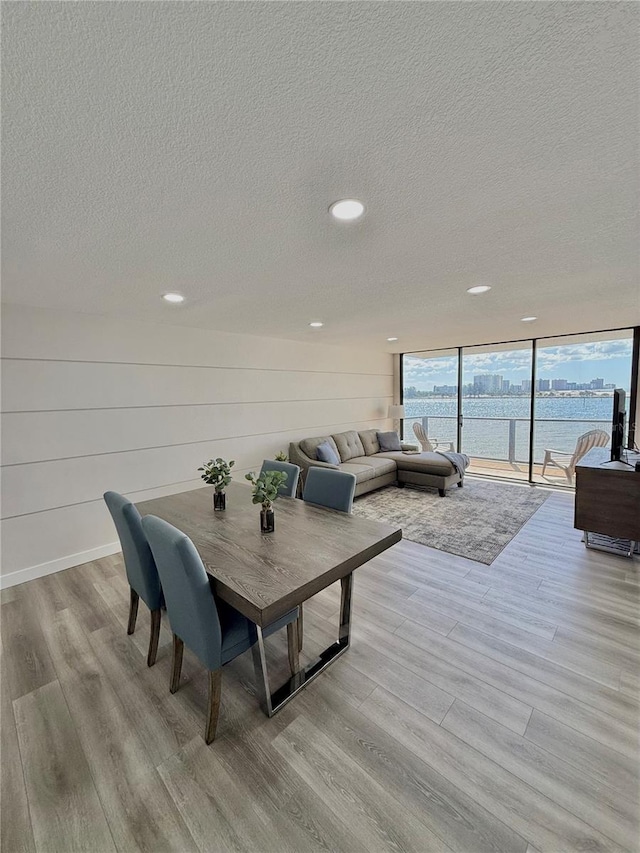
x=359, y=453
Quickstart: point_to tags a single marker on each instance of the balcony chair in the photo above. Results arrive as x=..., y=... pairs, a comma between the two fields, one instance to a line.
x=568, y=461
x=214, y=631
x=139, y=565
x=429, y=445
x=288, y=489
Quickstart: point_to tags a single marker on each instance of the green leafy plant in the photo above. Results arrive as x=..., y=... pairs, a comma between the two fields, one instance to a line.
x=217, y=473
x=281, y=456
x=265, y=487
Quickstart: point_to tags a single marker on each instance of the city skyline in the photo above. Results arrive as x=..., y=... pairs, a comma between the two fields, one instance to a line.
x=576, y=363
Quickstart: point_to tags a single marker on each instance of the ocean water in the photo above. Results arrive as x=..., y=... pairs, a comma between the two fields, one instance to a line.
x=558, y=423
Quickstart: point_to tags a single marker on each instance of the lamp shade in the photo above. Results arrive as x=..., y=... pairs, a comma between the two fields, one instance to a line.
x=396, y=412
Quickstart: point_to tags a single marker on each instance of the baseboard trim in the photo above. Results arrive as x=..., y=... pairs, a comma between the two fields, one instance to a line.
x=42, y=569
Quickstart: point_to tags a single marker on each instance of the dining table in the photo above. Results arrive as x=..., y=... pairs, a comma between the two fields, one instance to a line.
x=265, y=575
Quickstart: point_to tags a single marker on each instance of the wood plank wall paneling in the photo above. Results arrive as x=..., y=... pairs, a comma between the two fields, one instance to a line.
x=90, y=403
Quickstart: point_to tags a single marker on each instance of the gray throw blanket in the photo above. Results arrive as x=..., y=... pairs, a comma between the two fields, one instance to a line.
x=460, y=461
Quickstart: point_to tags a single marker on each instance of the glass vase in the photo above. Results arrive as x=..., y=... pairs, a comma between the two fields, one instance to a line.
x=219, y=501
x=267, y=520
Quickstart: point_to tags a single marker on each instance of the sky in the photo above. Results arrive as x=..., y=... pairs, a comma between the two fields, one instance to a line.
x=608, y=360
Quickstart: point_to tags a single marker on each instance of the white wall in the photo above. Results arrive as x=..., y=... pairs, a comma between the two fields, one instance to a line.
x=91, y=403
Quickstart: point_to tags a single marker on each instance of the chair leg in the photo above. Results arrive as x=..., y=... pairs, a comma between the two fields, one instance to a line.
x=442, y=492
x=133, y=610
x=300, y=629
x=215, y=685
x=176, y=664
x=293, y=639
x=460, y=484
x=156, y=618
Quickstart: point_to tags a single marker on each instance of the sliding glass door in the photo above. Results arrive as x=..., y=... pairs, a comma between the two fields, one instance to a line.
x=496, y=408
x=430, y=384
x=523, y=410
x=575, y=378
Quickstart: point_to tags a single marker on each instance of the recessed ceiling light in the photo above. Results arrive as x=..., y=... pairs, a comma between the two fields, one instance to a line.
x=316, y=324
x=173, y=297
x=479, y=288
x=392, y=339
x=346, y=209
x=527, y=319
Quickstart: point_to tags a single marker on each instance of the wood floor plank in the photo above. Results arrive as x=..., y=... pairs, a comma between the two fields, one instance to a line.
x=619, y=772
x=583, y=664
x=140, y=813
x=612, y=732
x=547, y=825
x=378, y=820
x=625, y=655
x=27, y=664
x=605, y=810
x=506, y=709
x=407, y=608
x=66, y=814
x=598, y=696
x=630, y=683
x=474, y=610
x=16, y=835
x=453, y=816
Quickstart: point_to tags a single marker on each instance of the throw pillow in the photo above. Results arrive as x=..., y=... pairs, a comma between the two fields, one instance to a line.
x=326, y=453
x=388, y=441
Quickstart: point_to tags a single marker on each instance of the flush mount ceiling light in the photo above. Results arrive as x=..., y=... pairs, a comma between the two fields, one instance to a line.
x=392, y=339
x=316, y=324
x=479, y=288
x=527, y=319
x=347, y=209
x=175, y=298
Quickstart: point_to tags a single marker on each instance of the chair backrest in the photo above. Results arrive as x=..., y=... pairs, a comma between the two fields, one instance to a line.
x=191, y=606
x=422, y=437
x=140, y=566
x=330, y=488
x=591, y=439
x=288, y=489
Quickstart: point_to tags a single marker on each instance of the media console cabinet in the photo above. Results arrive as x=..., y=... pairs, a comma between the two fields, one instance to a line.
x=608, y=496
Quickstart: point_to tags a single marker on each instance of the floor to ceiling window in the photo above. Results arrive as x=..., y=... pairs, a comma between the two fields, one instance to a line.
x=523, y=410
x=431, y=397
x=496, y=408
x=575, y=379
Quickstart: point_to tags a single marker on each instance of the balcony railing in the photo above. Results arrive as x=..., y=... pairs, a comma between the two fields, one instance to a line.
x=505, y=439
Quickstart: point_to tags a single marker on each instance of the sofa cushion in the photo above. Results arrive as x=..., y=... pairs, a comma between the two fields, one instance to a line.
x=326, y=453
x=310, y=445
x=362, y=472
x=429, y=463
x=378, y=463
x=369, y=439
x=389, y=441
x=348, y=444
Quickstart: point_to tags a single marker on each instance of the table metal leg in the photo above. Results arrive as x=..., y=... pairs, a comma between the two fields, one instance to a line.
x=273, y=702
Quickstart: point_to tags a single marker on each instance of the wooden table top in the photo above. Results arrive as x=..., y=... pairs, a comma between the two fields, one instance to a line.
x=264, y=575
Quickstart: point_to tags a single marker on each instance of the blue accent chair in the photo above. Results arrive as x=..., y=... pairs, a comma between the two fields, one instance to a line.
x=290, y=488
x=214, y=631
x=140, y=567
x=330, y=488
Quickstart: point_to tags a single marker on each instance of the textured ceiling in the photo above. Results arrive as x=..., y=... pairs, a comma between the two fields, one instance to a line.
x=197, y=146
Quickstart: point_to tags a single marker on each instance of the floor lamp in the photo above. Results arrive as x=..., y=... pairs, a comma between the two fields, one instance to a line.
x=397, y=414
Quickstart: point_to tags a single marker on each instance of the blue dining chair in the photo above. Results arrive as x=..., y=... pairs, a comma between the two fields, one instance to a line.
x=334, y=490
x=140, y=567
x=330, y=488
x=214, y=631
x=290, y=487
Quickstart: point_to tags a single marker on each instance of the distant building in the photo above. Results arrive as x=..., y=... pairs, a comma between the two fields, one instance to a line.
x=526, y=386
x=596, y=384
x=446, y=390
x=559, y=384
x=487, y=383
x=542, y=384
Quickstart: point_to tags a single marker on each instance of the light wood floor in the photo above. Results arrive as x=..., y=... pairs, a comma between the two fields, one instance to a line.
x=480, y=708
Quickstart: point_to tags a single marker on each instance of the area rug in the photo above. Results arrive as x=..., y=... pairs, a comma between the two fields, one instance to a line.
x=476, y=522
